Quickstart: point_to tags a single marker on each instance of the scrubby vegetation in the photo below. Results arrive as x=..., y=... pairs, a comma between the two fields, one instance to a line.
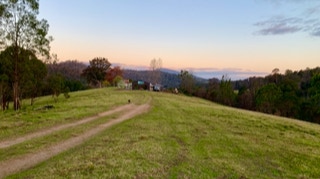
x=295, y=94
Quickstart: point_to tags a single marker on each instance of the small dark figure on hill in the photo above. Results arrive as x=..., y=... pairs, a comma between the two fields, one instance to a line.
x=129, y=101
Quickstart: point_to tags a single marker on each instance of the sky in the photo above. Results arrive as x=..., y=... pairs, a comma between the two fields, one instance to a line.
x=210, y=38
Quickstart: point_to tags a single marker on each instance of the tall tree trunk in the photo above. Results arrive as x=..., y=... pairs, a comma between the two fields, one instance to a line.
x=16, y=100
x=3, y=102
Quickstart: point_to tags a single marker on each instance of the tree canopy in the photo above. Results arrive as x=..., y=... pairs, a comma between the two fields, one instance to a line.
x=21, y=30
x=32, y=71
x=96, y=72
x=187, y=82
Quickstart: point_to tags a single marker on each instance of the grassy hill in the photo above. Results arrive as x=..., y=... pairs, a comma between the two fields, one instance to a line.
x=180, y=137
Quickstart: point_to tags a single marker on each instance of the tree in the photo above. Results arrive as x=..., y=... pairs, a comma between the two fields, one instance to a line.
x=56, y=85
x=20, y=29
x=315, y=96
x=275, y=73
x=112, y=73
x=245, y=99
x=289, y=102
x=71, y=71
x=155, y=67
x=213, y=89
x=96, y=71
x=187, y=82
x=32, y=71
x=33, y=78
x=117, y=80
x=267, y=98
x=4, y=91
x=226, y=94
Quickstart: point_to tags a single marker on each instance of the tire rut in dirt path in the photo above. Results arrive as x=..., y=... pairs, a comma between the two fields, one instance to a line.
x=29, y=160
x=11, y=142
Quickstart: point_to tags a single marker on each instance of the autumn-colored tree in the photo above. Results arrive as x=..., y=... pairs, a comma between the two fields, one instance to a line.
x=112, y=73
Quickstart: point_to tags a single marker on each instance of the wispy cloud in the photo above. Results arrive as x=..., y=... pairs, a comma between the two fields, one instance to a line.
x=289, y=1
x=308, y=21
x=313, y=10
x=281, y=25
x=316, y=32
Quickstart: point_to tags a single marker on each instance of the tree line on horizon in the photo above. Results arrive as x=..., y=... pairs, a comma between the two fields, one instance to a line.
x=38, y=78
x=26, y=68
x=295, y=94
x=24, y=41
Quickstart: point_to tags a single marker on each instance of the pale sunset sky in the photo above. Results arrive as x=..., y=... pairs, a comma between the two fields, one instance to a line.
x=248, y=37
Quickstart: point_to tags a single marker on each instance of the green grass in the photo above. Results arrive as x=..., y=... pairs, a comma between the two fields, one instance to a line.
x=40, y=143
x=183, y=137
x=80, y=105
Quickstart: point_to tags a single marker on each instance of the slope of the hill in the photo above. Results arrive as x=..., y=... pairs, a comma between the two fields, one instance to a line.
x=184, y=137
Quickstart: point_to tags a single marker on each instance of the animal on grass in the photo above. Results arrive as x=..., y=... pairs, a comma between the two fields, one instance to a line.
x=129, y=101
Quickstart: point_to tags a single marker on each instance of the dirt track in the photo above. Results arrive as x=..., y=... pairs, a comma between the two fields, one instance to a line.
x=29, y=160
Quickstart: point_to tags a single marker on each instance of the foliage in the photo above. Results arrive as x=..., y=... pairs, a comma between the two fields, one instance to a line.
x=294, y=94
x=20, y=29
x=187, y=82
x=213, y=89
x=56, y=85
x=32, y=83
x=226, y=93
x=315, y=95
x=112, y=74
x=116, y=80
x=268, y=97
x=71, y=71
x=32, y=72
x=96, y=72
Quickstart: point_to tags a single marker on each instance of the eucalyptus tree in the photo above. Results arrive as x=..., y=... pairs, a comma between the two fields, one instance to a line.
x=32, y=71
x=20, y=29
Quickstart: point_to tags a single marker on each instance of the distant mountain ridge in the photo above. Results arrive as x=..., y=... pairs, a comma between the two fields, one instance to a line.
x=169, y=78
x=203, y=73
x=167, y=70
